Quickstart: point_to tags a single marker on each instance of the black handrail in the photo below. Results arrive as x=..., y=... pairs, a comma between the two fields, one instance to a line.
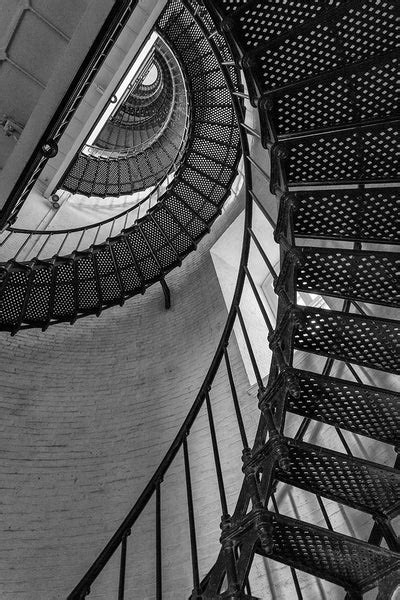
x=87, y=580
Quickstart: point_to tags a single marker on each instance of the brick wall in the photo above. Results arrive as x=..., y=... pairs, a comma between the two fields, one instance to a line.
x=88, y=412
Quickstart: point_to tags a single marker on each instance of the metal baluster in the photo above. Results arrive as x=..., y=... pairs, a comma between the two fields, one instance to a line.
x=43, y=245
x=217, y=460
x=250, y=351
x=23, y=245
x=192, y=525
x=264, y=256
x=122, y=568
x=6, y=238
x=259, y=301
x=158, y=544
x=263, y=210
x=236, y=401
x=80, y=240
x=97, y=233
x=62, y=243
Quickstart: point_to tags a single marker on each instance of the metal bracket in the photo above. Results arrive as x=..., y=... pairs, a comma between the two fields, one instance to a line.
x=167, y=294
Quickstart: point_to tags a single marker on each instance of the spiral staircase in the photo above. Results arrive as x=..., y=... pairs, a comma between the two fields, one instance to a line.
x=322, y=77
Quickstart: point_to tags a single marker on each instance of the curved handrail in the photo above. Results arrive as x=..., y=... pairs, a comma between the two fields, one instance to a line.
x=83, y=586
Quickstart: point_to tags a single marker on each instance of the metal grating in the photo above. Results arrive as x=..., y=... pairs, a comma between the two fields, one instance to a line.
x=357, y=483
x=368, y=93
x=360, y=275
x=364, y=154
x=338, y=558
x=366, y=341
x=362, y=409
x=369, y=215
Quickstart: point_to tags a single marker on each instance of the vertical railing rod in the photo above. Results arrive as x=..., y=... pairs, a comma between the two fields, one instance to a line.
x=354, y=373
x=23, y=245
x=236, y=401
x=192, y=525
x=259, y=301
x=6, y=238
x=43, y=245
x=80, y=240
x=323, y=510
x=217, y=459
x=263, y=209
x=263, y=254
x=343, y=440
x=122, y=569
x=63, y=242
x=250, y=351
x=158, y=544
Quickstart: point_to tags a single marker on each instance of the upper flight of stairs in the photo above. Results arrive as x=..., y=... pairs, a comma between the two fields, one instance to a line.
x=37, y=293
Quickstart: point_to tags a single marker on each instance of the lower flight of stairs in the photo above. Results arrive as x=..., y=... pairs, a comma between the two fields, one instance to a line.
x=322, y=74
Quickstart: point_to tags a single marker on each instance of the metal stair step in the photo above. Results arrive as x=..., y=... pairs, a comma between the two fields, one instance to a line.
x=355, y=94
x=347, y=562
x=369, y=411
x=256, y=23
x=110, y=286
x=364, y=154
x=355, y=274
x=341, y=36
x=353, y=338
x=358, y=483
x=348, y=214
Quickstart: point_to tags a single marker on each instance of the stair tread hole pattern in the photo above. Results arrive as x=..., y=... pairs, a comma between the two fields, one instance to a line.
x=257, y=24
x=363, y=31
x=357, y=339
x=365, y=276
x=349, y=214
x=192, y=224
x=87, y=286
x=110, y=288
x=64, y=297
x=330, y=556
x=369, y=154
x=345, y=99
x=148, y=266
x=371, y=412
x=39, y=296
x=162, y=250
x=128, y=272
x=341, y=478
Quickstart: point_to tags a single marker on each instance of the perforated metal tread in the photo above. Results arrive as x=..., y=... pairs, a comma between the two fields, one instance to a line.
x=367, y=276
x=348, y=562
x=362, y=154
x=349, y=214
x=353, y=31
x=256, y=23
x=353, y=338
x=361, y=484
x=354, y=94
x=366, y=410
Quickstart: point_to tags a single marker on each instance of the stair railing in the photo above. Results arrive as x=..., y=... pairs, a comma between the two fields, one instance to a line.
x=227, y=572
